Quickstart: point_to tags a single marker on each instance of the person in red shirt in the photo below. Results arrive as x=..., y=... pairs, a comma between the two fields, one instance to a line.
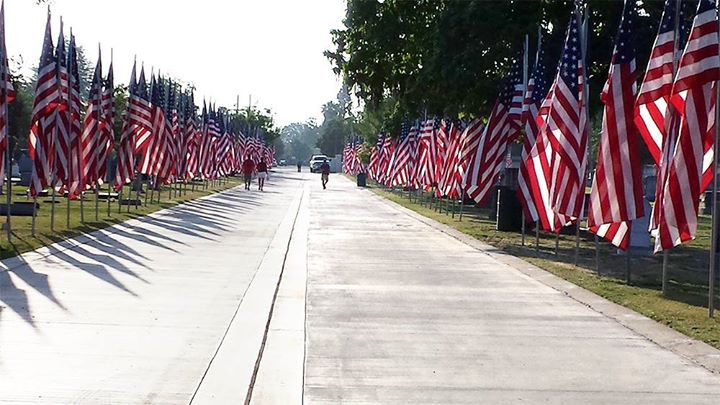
x=248, y=167
x=325, y=176
x=262, y=171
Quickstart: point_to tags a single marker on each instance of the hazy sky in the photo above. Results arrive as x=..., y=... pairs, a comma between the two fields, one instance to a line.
x=271, y=49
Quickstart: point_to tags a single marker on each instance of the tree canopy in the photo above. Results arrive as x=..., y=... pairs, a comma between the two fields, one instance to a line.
x=448, y=57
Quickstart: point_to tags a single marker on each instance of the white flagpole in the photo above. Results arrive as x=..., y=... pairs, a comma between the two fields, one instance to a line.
x=583, y=24
x=8, y=155
x=676, y=45
x=524, y=94
x=714, y=233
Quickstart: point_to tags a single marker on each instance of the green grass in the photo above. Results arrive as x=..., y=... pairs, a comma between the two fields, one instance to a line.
x=683, y=309
x=23, y=241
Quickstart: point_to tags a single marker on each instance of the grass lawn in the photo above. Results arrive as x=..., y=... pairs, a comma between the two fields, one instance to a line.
x=23, y=241
x=683, y=309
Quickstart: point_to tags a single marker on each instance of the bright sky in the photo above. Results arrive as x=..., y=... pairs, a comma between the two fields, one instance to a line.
x=270, y=49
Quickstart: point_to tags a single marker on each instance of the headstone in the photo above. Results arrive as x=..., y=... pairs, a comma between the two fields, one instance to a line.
x=640, y=241
x=111, y=170
x=25, y=168
x=639, y=235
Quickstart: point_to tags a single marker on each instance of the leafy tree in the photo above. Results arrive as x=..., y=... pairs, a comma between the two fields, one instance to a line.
x=334, y=130
x=251, y=118
x=300, y=139
x=448, y=57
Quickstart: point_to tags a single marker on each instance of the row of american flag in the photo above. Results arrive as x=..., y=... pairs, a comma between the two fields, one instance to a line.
x=162, y=136
x=672, y=112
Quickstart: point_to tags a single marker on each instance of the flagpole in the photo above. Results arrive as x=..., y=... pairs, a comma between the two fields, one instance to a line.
x=714, y=232
x=525, y=89
x=112, y=142
x=8, y=154
x=98, y=100
x=676, y=46
x=585, y=90
x=462, y=203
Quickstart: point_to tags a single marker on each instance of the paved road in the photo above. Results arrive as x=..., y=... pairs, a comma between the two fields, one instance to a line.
x=322, y=296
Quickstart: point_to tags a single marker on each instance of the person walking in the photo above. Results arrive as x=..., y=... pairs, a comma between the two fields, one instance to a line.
x=248, y=167
x=299, y=165
x=262, y=172
x=325, y=173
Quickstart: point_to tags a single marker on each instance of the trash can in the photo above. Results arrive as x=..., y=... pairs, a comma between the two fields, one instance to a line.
x=509, y=210
x=708, y=206
x=362, y=179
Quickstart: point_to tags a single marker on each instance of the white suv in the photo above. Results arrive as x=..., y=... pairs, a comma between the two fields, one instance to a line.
x=316, y=161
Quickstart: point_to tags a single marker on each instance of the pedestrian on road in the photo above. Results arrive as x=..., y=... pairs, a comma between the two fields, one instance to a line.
x=248, y=167
x=299, y=165
x=262, y=174
x=325, y=176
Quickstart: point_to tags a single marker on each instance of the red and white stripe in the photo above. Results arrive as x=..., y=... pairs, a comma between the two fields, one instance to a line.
x=694, y=96
x=7, y=94
x=568, y=134
x=502, y=128
x=41, y=146
x=426, y=155
x=616, y=194
x=651, y=106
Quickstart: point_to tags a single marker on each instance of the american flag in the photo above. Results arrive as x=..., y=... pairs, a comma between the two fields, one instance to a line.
x=75, y=125
x=193, y=139
x=165, y=127
x=373, y=167
x=91, y=138
x=441, y=146
x=183, y=137
x=166, y=154
x=209, y=149
x=449, y=184
x=426, y=155
x=689, y=172
x=47, y=97
x=7, y=93
x=359, y=166
x=400, y=163
x=616, y=195
x=411, y=164
x=107, y=135
x=62, y=174
x=529, y=175
x=567, y=127
x=386, y=154
x=469, y=158
x=504, y=124
x=133, y=120
x=225, y=149
x=538, y=162
x=347, y=157
x=651, y=107
x=144, y=112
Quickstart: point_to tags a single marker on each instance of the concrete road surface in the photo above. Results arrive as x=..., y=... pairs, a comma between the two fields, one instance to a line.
x=303, y=295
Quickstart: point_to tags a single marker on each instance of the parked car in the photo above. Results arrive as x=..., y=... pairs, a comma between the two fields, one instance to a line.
x=316, y=161
x=282, y=162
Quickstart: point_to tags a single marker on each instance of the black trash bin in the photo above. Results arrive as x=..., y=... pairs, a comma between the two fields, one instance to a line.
x=707, y=209
x=509, y=210
x=362, y=179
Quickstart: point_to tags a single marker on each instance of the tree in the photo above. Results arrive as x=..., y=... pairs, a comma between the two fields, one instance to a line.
x=300, y=139
x=253, y=120
x=334, y=130
x=448, y=57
